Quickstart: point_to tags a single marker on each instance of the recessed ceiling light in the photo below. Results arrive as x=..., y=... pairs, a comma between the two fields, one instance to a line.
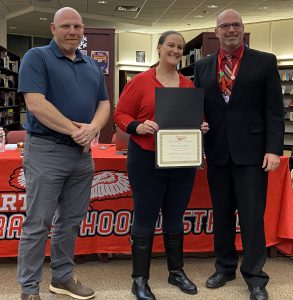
x=12, y=27
x=102, y=2
x=264, y=8
x=43, y=19
x=127, y=8
x=212, y=6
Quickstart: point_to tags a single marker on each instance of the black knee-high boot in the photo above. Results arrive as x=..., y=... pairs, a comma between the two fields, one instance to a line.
x=174, y=252
x=141, y=246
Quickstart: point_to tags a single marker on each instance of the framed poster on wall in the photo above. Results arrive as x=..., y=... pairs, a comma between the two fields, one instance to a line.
x=103, y=59
x=140, y=56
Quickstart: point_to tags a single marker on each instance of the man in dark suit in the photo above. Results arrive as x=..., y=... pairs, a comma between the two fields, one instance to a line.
x=244, y=109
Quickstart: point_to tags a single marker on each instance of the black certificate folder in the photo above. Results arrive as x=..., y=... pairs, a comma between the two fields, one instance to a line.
x=179, y=108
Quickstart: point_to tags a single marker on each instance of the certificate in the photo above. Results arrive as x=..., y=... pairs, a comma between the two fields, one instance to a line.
x=179, y=114
x=179, y=148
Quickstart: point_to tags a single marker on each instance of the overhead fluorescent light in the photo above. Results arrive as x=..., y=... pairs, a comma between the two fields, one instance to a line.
x=127, y=8
x=102, y=2
x=212, y=6
x=264, y=8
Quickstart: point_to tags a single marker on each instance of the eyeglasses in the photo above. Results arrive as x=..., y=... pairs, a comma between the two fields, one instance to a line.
x=227, y=26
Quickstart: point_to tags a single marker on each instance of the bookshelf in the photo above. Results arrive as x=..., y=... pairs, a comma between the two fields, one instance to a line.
x=10, y=102
x=286, y=75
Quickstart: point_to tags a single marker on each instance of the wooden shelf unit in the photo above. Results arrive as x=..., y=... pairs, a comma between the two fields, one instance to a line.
x=286, y=75
x=10, y=101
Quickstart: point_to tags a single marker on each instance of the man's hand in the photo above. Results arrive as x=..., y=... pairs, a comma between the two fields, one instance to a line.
x=204, y=127
x=85, y=133
x=147, y=127
x=271, y=162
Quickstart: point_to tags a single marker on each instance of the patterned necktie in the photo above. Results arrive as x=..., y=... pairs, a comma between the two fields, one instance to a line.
x=228, y=73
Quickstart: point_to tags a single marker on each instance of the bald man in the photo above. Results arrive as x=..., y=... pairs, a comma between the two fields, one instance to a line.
x=67, y=105
x=244, y=109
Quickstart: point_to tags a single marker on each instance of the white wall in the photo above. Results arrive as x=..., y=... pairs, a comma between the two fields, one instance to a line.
x=272, y=37
x=260, y=36
x=127, y=44
x=282, y=42
x=3, y=32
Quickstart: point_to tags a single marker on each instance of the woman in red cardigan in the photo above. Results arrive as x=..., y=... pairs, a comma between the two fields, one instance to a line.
x=154, y=189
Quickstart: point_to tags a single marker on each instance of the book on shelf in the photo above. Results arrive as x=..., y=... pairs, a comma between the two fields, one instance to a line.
x=198, y=54
x=183, y=62
x=7, y=98
x=286, y=76
x=7, y=63
x=5, y=58
x=7, y=81
x=7, y=117
x=193, y=56
x=14, y=66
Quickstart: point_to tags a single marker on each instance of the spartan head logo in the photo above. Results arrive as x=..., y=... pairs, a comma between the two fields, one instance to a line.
x=110, y=185
x=17, y=179
x=107, y=185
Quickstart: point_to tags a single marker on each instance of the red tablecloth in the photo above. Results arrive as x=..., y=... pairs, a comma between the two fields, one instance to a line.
x=107, y=225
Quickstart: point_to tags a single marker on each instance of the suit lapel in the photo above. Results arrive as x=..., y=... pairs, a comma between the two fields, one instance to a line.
x=215, y=84
x=242, y=72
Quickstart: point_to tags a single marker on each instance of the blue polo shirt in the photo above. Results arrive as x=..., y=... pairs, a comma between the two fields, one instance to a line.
x=73, y=87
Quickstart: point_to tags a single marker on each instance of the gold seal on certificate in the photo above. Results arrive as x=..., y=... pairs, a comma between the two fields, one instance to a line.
x=179, y=148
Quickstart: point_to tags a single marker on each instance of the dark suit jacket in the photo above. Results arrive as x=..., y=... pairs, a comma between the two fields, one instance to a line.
x=252, y=124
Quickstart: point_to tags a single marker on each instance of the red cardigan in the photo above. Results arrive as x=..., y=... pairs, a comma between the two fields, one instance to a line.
x=137, y=103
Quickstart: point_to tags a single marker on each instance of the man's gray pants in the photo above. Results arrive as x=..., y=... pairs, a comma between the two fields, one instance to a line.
x=58, y=185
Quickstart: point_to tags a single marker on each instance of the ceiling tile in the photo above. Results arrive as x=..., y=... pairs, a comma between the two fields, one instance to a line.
x=159, y=13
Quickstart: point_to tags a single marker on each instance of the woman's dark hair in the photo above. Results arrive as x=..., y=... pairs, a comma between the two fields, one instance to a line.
x=165, y=34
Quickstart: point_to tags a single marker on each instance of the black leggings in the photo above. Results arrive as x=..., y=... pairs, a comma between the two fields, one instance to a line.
x=154, y=189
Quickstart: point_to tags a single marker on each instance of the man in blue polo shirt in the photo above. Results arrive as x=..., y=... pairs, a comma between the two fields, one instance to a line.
x=67, y=106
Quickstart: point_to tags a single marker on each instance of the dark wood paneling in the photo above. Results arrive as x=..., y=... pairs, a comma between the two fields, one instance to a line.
x=99, y=39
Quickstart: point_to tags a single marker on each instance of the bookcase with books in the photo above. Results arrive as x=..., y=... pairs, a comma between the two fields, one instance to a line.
x=286, y=75
x=206, y=43
x=9, y=99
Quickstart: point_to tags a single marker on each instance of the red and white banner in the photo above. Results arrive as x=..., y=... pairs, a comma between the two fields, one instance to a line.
x=107, y=225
